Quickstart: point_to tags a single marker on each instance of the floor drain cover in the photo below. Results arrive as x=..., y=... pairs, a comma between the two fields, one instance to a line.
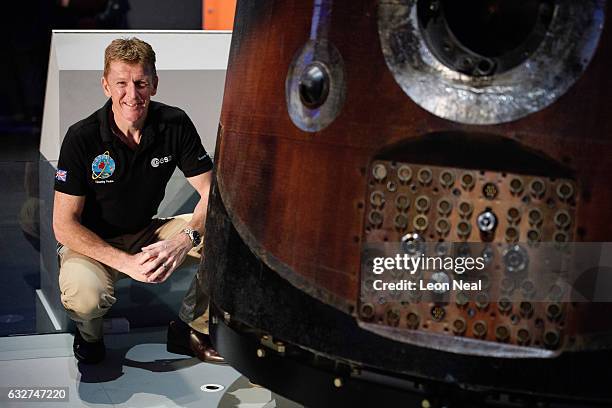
x=212, y=387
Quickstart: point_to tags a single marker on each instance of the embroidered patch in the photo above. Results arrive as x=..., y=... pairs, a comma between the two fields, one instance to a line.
x=102, y=167
x=60, y=175
x=156, y=162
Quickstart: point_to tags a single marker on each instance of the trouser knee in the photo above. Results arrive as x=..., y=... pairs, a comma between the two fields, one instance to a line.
x=84, y=303
x=86, y=286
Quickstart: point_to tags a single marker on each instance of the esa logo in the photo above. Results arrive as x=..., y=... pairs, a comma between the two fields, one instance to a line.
x=156, y=162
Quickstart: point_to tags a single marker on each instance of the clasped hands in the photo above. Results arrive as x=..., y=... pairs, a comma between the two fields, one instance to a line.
x=156, y=262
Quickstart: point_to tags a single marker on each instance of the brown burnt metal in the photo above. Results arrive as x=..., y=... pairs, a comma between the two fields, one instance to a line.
x=301, y=200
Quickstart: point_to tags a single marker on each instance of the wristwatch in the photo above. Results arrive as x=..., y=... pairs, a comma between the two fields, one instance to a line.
x=193, y=235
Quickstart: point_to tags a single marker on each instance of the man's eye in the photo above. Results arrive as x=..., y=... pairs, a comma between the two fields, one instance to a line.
x=121, y=83
x=141, y=84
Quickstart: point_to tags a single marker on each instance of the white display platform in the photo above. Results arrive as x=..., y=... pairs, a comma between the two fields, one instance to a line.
x=191, y=67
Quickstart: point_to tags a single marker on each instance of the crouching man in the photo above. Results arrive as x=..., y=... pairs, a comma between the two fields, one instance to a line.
x=111, y=177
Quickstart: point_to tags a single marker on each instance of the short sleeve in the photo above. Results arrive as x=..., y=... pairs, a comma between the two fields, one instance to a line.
x=193, y=159
x=70, y=173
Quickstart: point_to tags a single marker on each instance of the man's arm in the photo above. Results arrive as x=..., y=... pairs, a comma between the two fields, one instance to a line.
x=172, y=252
x=201, y=184
x=70, y=232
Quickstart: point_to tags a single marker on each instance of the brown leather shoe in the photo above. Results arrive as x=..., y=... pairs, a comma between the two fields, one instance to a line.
x=177, y=341
x=203, y=349
x=182, y=339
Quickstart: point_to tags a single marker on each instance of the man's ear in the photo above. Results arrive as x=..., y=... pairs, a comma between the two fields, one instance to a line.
x=105, y=87
x=155, y=83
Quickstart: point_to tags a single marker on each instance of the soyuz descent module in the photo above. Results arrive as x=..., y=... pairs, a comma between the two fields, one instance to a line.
x=355, y=129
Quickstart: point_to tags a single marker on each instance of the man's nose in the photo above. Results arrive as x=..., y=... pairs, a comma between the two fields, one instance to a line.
x=131, y=90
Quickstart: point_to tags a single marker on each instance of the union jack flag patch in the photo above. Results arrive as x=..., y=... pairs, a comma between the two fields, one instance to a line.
x=60, y=175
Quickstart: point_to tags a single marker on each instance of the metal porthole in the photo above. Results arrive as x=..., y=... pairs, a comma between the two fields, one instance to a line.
x=455, y=63
x=315, y=86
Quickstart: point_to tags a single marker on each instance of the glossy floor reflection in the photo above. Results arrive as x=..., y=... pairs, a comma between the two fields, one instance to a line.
x=138, y=372
x=19, y=247
x=19, y=232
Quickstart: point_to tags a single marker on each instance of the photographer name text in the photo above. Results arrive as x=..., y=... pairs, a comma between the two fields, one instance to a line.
x=421, y=284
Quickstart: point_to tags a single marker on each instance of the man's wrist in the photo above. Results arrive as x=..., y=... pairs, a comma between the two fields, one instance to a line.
x=184, y=238
x=123, y=258
x=193, y=235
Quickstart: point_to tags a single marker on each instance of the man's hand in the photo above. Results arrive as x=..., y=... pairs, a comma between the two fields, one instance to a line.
x=137, y=266
x=165, y=257
x=69, y=231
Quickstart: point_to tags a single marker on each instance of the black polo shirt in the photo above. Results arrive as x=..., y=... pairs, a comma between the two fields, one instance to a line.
x=122, y=187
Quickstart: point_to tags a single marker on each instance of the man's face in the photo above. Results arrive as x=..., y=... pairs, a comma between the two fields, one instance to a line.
x=130, y=86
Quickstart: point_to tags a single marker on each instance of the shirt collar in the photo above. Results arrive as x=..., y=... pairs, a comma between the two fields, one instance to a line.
x=103, y=118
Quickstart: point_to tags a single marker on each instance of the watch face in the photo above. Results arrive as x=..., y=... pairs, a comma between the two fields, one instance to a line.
x=195, y=238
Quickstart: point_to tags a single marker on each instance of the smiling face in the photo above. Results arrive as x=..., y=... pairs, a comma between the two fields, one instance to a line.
x=130, y=86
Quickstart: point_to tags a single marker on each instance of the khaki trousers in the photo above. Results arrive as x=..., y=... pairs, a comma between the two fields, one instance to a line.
x=87, y=286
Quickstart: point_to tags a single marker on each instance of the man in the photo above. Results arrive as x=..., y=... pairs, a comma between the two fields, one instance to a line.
x=112, y=173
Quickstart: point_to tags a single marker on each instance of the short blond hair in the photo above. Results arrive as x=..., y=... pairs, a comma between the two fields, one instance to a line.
x=131, y=51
